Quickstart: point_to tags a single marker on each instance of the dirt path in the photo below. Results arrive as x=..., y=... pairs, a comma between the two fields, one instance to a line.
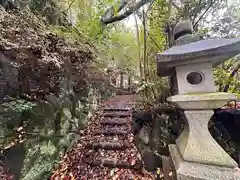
x=106, y=149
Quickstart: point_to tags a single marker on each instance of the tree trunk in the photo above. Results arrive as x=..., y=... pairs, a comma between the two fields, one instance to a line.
x=170, y=43
x=145, y=47
x=145, y=63
x=129, y=81
x=139, y=45
x=121, y=79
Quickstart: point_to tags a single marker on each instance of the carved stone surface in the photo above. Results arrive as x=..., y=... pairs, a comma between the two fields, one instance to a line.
x=215, y=51
x=196, y=144
x=189, y=38
x=182, y=33
x=207, y=84
x=201, y=101
x=182, y=28
x=185, y=170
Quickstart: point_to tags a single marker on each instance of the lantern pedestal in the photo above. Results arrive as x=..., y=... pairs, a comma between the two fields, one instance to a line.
x=185, y=170
x=196, y=143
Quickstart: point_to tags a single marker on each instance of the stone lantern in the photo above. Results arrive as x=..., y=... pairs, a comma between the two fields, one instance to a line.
x=196, y=154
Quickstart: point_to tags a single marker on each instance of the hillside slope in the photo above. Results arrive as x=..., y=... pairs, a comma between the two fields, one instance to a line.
x=48, y=90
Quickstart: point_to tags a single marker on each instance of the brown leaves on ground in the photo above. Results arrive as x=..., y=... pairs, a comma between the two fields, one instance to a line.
x=3, y=173
x=73, y=165
x=41, y=58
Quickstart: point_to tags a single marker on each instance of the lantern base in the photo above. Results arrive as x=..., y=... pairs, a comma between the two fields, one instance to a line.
x=185, y=170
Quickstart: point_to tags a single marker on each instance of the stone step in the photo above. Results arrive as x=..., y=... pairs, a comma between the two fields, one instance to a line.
x=124, y=92
x=115, y=122
x=111, y=132
x=115, y=109
x=113, y=163
x=116, y=114
x=107, y=145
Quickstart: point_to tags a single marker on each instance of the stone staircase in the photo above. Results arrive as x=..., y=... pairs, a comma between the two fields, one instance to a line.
x=115, y=126
x=106, y=149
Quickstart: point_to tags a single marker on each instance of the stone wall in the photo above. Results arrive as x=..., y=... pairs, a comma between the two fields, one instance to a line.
x=49, y=128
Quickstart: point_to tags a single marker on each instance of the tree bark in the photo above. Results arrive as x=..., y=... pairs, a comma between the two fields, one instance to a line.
x=107, y=20
x=129, y=81
x=139, y=45
x=121, y=80
x=170, y=40
x=145, y=47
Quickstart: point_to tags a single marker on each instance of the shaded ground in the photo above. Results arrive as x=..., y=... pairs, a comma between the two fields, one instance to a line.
x=106, y=149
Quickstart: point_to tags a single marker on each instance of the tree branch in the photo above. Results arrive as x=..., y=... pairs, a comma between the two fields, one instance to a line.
x=232, y=63
x=204, y=13
x=107, y=20
x=70, y=5
x=139, y=45
x=170, y=5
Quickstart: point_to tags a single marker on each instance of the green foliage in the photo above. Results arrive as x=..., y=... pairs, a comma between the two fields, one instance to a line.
x=238, y=95
x=11, y=115
x=49, y=136
x=49, y=128
x=115, y=45
x=17, y=105
x=222, y=77
x=227, y=26
x=144, y=86
x=39, y=160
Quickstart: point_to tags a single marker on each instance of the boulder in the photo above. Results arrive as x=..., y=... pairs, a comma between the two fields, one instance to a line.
x=144, y=134
x=152, y=161
x=139, y=119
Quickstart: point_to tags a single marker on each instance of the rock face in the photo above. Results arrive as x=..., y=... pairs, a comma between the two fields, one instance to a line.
x=144, y=134
x=154, y=131
x=49, y=93
x=8, y=77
